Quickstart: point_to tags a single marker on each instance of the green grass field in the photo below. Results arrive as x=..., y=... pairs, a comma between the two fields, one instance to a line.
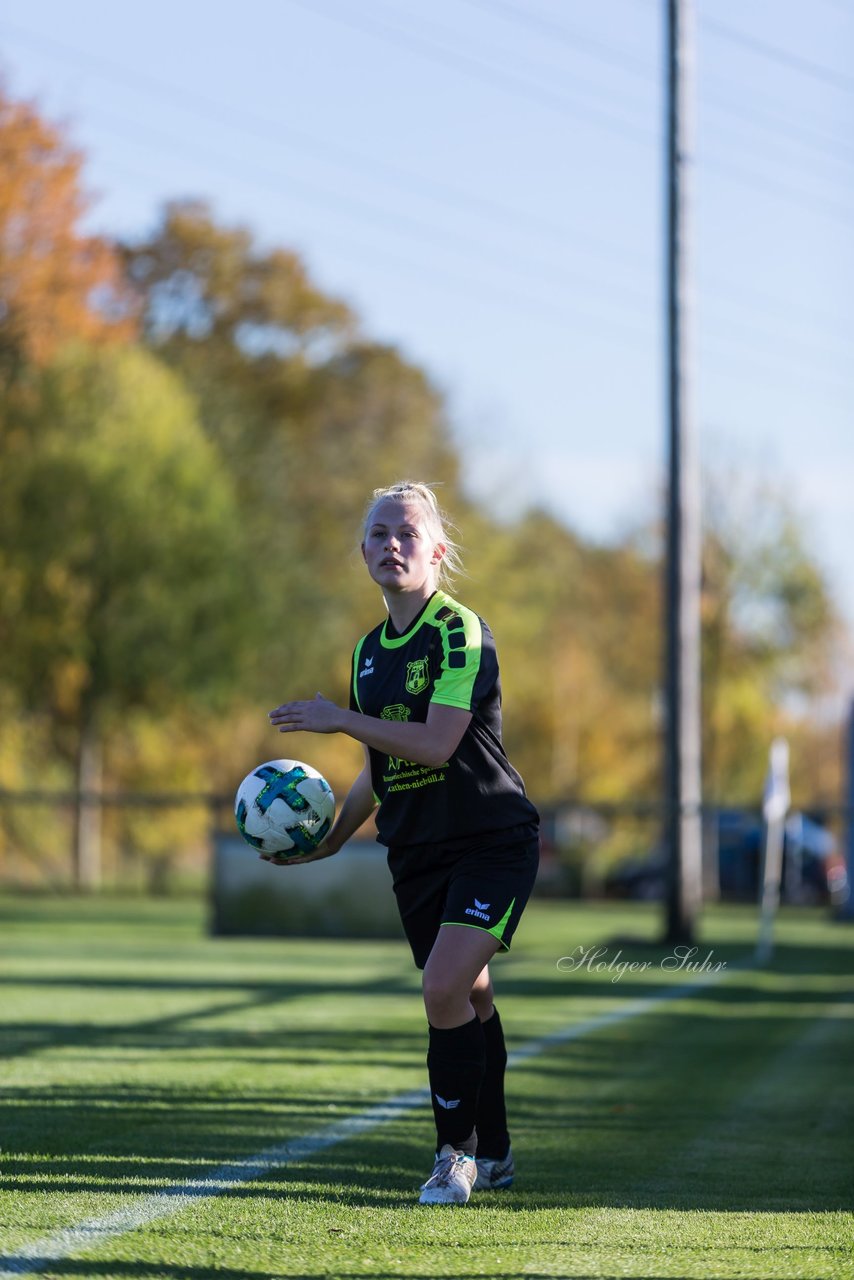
x=702, y=1136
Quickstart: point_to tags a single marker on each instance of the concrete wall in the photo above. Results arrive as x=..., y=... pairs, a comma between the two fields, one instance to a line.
x=346, y=896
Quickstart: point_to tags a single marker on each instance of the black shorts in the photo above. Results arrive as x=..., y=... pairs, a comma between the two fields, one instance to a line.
x=483, y=882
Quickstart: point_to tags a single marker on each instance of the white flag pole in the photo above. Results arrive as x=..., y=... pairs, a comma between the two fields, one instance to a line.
x=775, y=806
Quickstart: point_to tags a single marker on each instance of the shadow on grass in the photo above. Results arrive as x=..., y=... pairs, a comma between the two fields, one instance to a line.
x=594, y=975
x=639, y=1148
x=171, y=1030
x=648, y=1114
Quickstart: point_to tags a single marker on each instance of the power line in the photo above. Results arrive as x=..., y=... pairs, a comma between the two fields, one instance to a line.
x=390, y=221
x=840, y=6
x=781, y=311
x=749, y=178
x=481, y=292
x=358, y=161
x=774, y=303
x=824, y=75
x=614, y=57
x=609, y=55
x=395, y=36
x=791, y=119
x=726, y=333
x=484, y=293
x=733, y=356
x=362, y=162
x=477, y=291
x=606, y=52
x=330, y=200
x=793, y=133
x=405, y=225
x=477, y=69
x=366, y=211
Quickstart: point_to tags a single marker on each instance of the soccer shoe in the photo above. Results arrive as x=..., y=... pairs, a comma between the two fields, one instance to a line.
x=492, y=1175
x=452, y=1178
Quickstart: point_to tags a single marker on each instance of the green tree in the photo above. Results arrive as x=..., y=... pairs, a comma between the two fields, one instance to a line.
x=577, y=630
x=309, y=416
x=770, y=630
x=121, y=548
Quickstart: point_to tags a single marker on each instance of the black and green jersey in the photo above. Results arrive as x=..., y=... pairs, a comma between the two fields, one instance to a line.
x=447, y=656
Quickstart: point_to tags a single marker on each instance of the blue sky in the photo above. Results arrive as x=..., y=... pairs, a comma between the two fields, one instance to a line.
x=483, y=181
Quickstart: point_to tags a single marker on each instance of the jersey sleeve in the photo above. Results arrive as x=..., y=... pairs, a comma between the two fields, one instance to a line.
x=354, y=676
x=469, y=666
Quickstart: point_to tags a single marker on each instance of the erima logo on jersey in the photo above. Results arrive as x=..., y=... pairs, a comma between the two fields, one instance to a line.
x=368, y=668
x=479, y=909
x=449, y=1106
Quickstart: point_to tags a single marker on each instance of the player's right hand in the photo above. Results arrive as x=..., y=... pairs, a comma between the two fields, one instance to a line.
x=322, y=851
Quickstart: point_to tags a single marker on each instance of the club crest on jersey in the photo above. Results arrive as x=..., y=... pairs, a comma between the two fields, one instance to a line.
x=396, y=712
x=417, y=676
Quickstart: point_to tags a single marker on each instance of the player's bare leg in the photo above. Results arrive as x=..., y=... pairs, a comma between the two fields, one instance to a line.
x=453, y=974
x=482, y=995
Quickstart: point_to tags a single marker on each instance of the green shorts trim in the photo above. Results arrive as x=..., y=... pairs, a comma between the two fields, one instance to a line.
x=486, y=888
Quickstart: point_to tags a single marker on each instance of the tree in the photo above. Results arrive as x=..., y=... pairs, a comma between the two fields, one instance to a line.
x=121, y=547
x=576, y=624
x=56, y=283
x=208, y=289
x=770, y=630
x=308, y=415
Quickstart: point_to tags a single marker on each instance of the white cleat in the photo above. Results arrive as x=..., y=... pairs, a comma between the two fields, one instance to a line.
x=493, y=1175
x=452, y=1178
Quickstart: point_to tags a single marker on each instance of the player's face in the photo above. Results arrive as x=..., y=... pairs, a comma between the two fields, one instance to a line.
x=400, y=553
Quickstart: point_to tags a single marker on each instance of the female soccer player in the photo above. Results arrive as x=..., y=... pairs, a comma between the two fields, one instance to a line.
x=462, y=836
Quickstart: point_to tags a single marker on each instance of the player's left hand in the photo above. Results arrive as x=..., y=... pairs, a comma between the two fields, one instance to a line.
x=317, y=716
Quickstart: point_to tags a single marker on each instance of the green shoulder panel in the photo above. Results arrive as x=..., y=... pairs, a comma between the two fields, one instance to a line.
x=462, y=641
x=357, y=654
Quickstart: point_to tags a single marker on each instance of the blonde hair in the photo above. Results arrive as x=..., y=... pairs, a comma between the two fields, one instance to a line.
x=437, y=522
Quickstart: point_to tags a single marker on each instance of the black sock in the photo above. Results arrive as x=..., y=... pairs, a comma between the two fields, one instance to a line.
x=492, y=1136
x=455, y=1065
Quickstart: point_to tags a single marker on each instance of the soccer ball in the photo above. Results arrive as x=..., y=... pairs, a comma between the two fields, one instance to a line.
x=284, y=807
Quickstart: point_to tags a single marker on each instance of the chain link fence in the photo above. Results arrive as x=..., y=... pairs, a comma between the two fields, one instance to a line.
x=164, y=843
x=121, y=842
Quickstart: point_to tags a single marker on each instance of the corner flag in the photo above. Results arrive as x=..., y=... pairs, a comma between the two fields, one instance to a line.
x=775, y=806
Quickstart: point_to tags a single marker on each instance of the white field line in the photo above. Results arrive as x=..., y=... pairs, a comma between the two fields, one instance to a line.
x=39, y=1256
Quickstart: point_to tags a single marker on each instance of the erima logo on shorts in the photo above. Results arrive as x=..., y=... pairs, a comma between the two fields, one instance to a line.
x=449, y=1106
x=479, y=909
x=368, y=668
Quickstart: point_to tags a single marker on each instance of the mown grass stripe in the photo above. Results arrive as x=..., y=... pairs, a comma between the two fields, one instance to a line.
x=786, y=1072
x=42, y=1254
x=632, y=1009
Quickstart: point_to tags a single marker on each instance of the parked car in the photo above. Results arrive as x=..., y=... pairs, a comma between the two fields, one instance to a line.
x=813, y=868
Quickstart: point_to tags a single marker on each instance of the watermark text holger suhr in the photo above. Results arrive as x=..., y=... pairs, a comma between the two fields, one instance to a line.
x=597, y=960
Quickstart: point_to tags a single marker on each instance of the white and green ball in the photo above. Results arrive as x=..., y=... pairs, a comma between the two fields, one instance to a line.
x=284, y=807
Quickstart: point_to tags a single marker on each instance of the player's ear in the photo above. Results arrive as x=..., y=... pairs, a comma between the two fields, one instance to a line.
x=362, y=547
x=438, y=552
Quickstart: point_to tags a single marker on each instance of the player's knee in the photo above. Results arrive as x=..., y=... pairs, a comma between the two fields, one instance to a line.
x=443, y=994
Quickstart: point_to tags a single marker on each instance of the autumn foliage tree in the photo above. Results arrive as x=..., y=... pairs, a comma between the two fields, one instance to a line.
x=179, y=528
x=56, y=283
x=309, y=414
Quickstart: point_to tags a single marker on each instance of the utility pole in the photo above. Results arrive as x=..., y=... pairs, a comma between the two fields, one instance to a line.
x=846, y=909
x=682, y=780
